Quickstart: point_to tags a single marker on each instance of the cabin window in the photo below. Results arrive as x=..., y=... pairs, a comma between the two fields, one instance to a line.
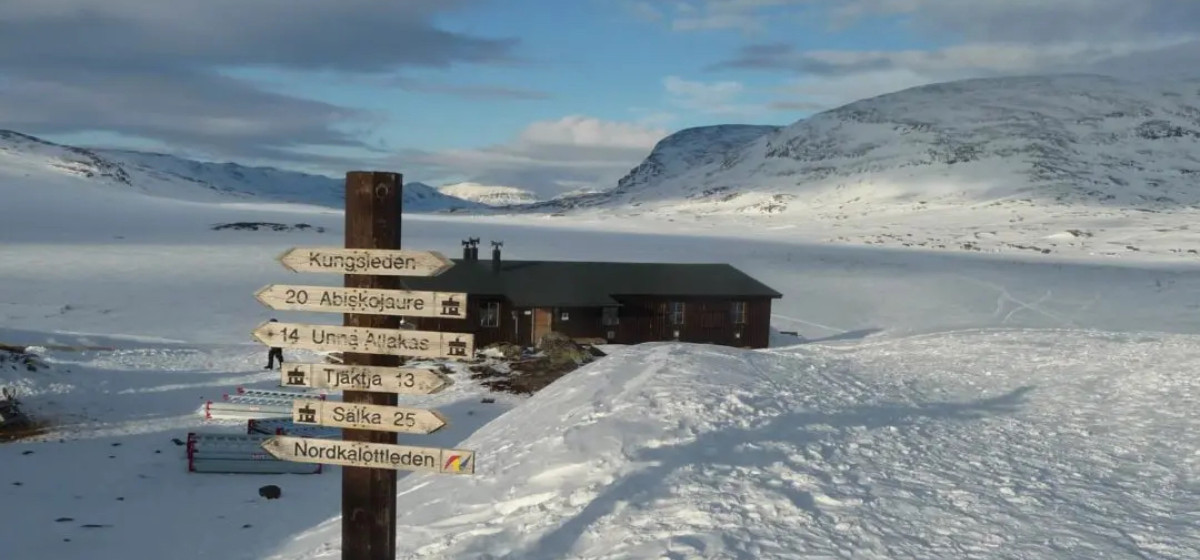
x=739, y=313
x=489, y=314
x=564, y=316
x=609, y=316
x=676, y=312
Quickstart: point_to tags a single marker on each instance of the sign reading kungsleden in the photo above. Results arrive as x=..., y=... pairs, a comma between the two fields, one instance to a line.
x=371, y=262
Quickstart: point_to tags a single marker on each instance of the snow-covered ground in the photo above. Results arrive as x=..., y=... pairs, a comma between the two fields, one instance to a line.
x=941, y=405
x=979, y=444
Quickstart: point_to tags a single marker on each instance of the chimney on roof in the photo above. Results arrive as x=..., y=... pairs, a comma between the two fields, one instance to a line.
x=496, y=245
x=474, y=248
x=466, y=250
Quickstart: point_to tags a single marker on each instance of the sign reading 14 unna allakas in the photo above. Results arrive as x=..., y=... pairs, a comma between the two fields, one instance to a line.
x=418, y=344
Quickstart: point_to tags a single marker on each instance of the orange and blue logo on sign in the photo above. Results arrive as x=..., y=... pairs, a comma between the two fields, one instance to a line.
x=457, y=463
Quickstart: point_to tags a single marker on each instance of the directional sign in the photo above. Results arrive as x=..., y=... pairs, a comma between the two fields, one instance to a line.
x=376, y=379
x=364, y=340
x=361, y=416
x=375, y=262
x=371, y=455
x=446, y=305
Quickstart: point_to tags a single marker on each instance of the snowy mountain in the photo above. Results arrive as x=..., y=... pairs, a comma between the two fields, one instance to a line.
x=1061, y=140
x=29, y=158
x=671, y=158
x=490, y=195
x=983, y=164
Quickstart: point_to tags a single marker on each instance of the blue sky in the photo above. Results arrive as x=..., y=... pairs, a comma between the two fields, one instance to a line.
x=549, y=95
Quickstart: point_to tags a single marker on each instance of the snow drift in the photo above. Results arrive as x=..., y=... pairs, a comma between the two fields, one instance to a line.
x=960, y=448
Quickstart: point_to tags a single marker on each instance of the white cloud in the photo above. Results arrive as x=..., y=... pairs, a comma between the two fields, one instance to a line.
x=710, y=98
x=709, y=15
x=576, y=130
x=1035, y=21
x=547, y=157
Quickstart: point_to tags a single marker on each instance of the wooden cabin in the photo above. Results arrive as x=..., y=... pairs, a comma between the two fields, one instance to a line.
x=615, y=302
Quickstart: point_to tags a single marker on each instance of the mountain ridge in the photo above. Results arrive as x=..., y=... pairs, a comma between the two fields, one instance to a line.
x=1046, y=163
x=1036, y=129
x=170, y=176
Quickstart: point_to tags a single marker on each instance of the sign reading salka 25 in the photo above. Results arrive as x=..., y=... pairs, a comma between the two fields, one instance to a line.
x=366, y=416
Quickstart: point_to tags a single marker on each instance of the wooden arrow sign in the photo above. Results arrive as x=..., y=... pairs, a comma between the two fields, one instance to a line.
x=375, y=262
x=375, y=379
x=365, y=340
x=358, y=416
x=445, y=305
x=371, y=455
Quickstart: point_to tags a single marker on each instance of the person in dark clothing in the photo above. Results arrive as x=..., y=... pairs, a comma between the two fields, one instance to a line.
x=275, y=353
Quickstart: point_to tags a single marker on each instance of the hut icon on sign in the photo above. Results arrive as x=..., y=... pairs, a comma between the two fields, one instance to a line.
x=458, y=347
x=295, y=376
x=307, y=415
x=451, y=307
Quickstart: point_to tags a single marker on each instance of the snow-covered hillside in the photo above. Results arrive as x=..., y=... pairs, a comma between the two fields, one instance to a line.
x=491, y=195
x=31, y=159
x=931, y=449
x=1074, y=163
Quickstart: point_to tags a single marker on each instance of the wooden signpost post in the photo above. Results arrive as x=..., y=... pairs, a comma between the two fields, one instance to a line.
x=371, y=378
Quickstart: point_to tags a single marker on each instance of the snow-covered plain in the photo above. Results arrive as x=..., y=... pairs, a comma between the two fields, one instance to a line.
x=943, y=404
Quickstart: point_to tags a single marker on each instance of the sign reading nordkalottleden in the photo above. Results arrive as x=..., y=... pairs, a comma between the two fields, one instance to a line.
x=371, y=455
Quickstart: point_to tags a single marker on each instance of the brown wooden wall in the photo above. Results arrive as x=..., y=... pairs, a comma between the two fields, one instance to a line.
x=705, y=321
x=582, y=322
x=641, y=319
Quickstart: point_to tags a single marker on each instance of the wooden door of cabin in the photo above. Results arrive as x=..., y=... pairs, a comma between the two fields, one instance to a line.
x=542, y=320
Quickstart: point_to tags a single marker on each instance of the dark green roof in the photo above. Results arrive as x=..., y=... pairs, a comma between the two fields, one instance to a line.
x=590, y=284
